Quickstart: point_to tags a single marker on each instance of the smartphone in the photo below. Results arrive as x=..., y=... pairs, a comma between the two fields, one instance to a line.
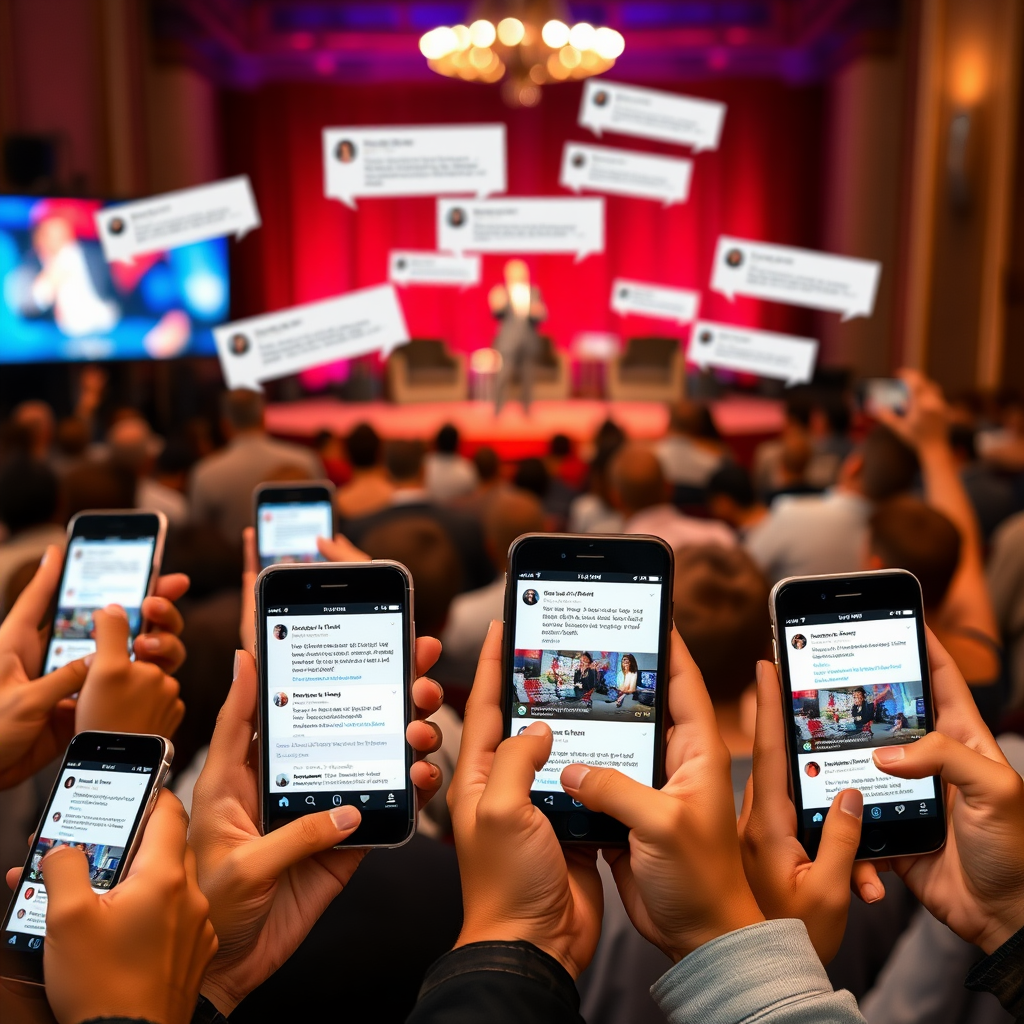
x=112, y=557
x=334, y=650
x=851, y=654
x=586, y=644
x=889, y=393
x=289, y=518
x=104, y=793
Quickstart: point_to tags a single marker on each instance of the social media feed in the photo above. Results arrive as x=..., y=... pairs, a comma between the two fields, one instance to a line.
x=288, y=531
x=94, y=809
x=335, y=707
x=97, y=573
x=856, y=684
x=586, y=661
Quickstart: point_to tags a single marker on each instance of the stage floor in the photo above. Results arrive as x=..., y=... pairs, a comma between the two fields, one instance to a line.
x=741, y=420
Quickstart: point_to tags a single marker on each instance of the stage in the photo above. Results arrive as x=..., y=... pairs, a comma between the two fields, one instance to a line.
x=742, y=421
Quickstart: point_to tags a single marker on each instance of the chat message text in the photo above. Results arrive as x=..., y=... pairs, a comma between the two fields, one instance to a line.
x=765, y=353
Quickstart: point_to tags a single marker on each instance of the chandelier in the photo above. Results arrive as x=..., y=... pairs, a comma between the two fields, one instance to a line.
x=524, y=45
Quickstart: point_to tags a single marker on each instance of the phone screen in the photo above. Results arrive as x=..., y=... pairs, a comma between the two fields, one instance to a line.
x=96, y=806
x=856, y=684
x=99, y=570
x=586, y=659
x=288, y=530
x=335, y=699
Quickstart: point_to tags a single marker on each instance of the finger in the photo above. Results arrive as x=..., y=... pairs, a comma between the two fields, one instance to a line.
x=236, y=720
x=250, y=554
x=250, y=571
x=424, y=737
x=770, y=809
x=483, y=725
x=66, y=875
x=34, y=601
x=688, y=699
x=427, y=779
x=516, y=763
x=840, y=837
x=745, y=808
x=111, y=634
x=172, y=586
x=13, y=877
x=163, y=841
x=340, y=549
x=57, y=685
x=609, y=791
x=427, y=695
x=428, y=650
x=163, y=615
x=866, y=882
x=161, y=649
x=979, y=778
x=277, y=851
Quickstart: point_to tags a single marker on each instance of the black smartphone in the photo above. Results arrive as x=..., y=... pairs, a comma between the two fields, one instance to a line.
x=334, y=649
x=289, y=518
x=103, y=795
x=852, y=658
x=112, y=557
x=888, y=393
x=586, y=646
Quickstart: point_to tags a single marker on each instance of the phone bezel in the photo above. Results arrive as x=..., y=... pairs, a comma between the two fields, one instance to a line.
x=633, y=553
x=880, y=588
x=382, y=580
x=128, y=748
x=310, y=492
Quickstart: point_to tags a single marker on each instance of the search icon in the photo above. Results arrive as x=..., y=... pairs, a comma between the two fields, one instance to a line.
x=311, y=801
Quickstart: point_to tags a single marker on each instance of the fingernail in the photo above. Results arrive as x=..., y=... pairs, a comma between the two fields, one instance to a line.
x=851, y=802
x=116, y=609
x=758, y=669
x=889, y=755
x=538, y=729
x=234, y=668
x=149, y=643
x=89, y=659
x=440, y=691
x=870, y=893
x=573, y=775
x=345, y=818
x=46, y=555
x=434, y=770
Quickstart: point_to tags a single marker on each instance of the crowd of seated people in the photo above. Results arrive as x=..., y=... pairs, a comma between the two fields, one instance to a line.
x=714, y=914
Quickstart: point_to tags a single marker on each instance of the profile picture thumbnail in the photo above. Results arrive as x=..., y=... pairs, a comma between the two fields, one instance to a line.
x=21, y=913
x=239, y=344
x=280, y=631
x=623, y=293
x=578, y=159
x=799, y=641
x=600, y=98
x=706, y=337
x=280, y=699
x=57, y=816
x=530, y=596
x=734, y=257
x=116, y=225
x=401, y=264
x=812, y=769
x=345, y=151
x=456, y=216
x=30, y=892
x=282, y=779
x=69, y=782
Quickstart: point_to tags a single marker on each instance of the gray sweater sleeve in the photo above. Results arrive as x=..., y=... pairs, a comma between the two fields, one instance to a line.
x=767, y=973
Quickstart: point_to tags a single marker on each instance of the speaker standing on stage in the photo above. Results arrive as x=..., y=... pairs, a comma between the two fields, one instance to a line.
x=519, y=307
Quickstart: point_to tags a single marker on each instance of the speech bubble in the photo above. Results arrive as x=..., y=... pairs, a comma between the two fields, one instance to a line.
x=625, y=172
x=651, y=114
x=406, y=266
x=425, y=160
x=654, y=300
x=291, y=340
x=521, y=225
x=175, y=219
x=800, y=277
x=765, y=353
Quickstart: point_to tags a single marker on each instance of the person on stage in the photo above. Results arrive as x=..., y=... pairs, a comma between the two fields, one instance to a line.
x=520, y=308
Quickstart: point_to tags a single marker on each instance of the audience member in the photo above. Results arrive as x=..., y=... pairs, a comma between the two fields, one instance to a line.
x=71, y=444
x=830, y=436
x=1006, y=584
x=554, y=493
x=591, y=512
x=37, y=420
x=691, y=449
x=731, y=498
x=640, y=492
x=564, y=464
x=368, y=490
x=448, y=474
x=328, y=446
x=990, y=492
x=222, y=484
x=768, y=454
x=489, y=483
x=134, y=449
x=794, y=462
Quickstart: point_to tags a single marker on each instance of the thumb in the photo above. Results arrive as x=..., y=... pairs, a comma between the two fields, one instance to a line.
x=66, y=680
x=609, y=791
x=312, y=833
x=34, y=601
x=111, y=633
x=840, y=838
x=66, y=875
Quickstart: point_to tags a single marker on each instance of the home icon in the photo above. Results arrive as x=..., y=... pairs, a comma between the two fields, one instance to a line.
x=283, y=802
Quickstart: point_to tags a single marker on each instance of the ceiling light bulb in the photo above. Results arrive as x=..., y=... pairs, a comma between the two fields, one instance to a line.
x=462, y=39
x=511, y=31
x=482, y=33
x=609, y=43
x=555, y=34
x=438, y=43
x=569, y=56
x=582, y=36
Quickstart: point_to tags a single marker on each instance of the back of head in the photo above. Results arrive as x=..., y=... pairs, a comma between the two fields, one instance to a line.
x=908, y=534
x=799, y=406
x=404, y=460
x=509, y=515
x=72, y=436
x=132, y=443
x=242, y=409
x=28, y=494
x=363, y=446
x=889, y=466
x=732, y=481
x=721, y=612
x=97, y=485
x=560, y=446
x=532, y=475
x=637, y=478
x=796, y=453
x=447, y=440
x=423, y=546
x=487, y=463
x=38, y=420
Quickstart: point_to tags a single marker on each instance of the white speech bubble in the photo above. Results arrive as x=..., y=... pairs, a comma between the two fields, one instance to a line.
x=625, y=172
x=651, y=114
x=765, y=353
x=521, y=225
x=654, y=300
x=421, y=160
x=178, y=218
x=406, y=266
x=800, y=277
x=296, y=339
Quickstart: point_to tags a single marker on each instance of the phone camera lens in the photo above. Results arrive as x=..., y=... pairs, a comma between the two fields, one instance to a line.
x=563, y=554
x=310, y=585
x=823, y=597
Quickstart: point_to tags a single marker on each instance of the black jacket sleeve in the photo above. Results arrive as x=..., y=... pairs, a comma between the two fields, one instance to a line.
x=1002, y=974
x=497, y=982
x=204, y=1013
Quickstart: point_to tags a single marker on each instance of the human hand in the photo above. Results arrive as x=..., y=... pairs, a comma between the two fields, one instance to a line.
x=138, y=951
x=518, y=884
x=121, y=695
x=975, y=883
x=925, y=424
x=266, y=892
x=785, y=881
x=681, y=879
x=36, y=720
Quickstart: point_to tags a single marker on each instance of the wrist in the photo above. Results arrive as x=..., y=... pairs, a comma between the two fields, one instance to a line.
x=508, y=933
x=222, y=996
x=1003, y=928
x=739, y=914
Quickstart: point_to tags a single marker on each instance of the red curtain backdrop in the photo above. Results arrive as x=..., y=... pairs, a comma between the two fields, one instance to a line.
x=762, y=183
